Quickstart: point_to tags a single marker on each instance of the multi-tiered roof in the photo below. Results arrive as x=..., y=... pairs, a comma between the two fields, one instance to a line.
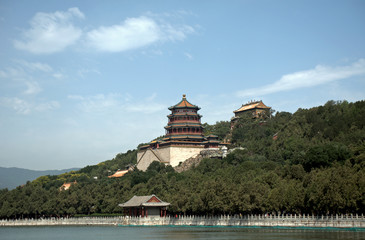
x=184, y=128
x=184, y=123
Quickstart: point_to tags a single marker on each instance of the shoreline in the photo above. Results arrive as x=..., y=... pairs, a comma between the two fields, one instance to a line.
x=351, y=223
x=349, y=229
x=345, y=229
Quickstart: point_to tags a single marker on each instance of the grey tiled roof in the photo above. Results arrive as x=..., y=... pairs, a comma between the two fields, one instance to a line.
x=137, y=201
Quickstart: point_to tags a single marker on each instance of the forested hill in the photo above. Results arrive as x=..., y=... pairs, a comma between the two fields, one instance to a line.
x=311, y=161
x=12, y=177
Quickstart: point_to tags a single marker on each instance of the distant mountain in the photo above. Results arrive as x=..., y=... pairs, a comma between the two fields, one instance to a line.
x=12, y=177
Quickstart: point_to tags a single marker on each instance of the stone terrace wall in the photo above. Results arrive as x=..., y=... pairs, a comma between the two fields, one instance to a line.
x=181, y=154
x=195, y=161
x=343, y=221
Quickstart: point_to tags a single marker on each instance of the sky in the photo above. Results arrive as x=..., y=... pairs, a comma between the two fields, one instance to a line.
x=81, y=81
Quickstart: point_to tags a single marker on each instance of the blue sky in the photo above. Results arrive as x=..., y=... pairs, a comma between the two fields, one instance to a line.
x=81, y=81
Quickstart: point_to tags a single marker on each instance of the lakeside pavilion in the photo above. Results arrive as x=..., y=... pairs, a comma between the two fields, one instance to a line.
x=144, y=206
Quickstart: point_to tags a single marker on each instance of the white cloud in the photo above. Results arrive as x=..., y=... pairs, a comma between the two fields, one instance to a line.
x=57, y=75
x=172, y=33
x=15, y=73
x=32, y=88
x=152, y=52
x=189, y=56
x=145, y=107
x=24, y=107
x=313, y=77
x=46, y=106
x=75, y=97
x=135, y=33
x=117, y=102
x=24, y=70
x=24, y=73
x=35, y=66
x=53, y=32
x=19, y=105
x=76, y=12
x=97, y=103
x=152, y=97
x=50, y=32
x=84, y=72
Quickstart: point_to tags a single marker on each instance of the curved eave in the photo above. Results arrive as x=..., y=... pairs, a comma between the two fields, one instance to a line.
x=182, y=107
x=144, y=146
x=185, y=137
x=184, y=142
x=244, y=110
x=155, y=204
x=251, y=106
x=217, y=142
x=185, y=114
x=184, y=125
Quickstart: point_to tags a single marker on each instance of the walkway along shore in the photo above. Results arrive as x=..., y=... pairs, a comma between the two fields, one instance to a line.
x=337, y=221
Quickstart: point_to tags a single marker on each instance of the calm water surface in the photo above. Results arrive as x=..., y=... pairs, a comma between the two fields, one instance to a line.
x=113, y=233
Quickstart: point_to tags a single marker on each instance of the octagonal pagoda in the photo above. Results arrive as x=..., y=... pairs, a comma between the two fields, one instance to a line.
x=184, y=123
x=184, y=138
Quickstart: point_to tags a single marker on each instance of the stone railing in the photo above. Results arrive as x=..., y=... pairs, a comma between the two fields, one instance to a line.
x=333, y=221
x=62, y=221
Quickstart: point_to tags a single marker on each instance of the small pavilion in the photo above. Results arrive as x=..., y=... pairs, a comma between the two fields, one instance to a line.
x=144, y=206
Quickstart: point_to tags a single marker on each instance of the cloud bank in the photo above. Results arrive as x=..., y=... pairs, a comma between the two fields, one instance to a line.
x=309, y=78
x=116, y=102
x=53, y=32
x=23, y=73
x=35, y=66
x=24, y=107
x=133, y=33
x=26, y=76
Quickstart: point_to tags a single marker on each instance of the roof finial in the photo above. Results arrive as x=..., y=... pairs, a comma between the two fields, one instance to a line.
x=184, y=96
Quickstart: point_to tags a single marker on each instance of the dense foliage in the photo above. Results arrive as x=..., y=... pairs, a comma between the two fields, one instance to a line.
x=219, y=129
x=311, y=161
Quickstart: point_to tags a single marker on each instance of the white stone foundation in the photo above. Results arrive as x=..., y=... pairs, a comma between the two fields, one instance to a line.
x=171, y=155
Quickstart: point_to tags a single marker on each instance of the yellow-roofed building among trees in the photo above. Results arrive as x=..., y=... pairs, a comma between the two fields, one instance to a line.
x=253, y=109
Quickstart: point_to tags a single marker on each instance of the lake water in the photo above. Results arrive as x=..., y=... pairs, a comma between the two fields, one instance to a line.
x=113, y=233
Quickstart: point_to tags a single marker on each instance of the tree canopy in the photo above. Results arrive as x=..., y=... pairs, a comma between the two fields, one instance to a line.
x=311, y=161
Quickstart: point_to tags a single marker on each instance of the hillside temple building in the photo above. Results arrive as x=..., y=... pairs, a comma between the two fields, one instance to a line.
x=184, y=138
x=253, y=109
